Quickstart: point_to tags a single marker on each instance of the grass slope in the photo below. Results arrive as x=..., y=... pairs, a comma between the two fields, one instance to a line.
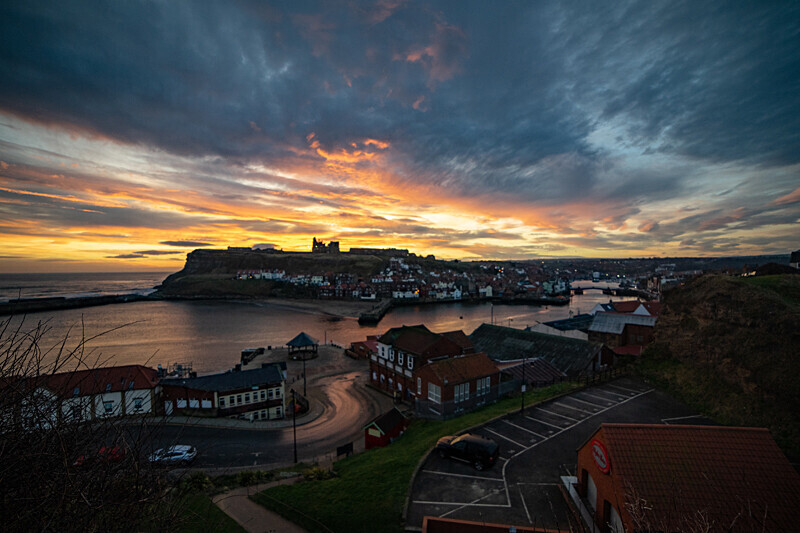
x=369, y=493
x=728, y=347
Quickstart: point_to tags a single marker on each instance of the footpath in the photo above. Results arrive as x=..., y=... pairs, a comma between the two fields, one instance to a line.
x=252, y=517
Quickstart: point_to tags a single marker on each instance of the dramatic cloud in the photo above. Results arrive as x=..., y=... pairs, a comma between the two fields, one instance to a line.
x=463, y=129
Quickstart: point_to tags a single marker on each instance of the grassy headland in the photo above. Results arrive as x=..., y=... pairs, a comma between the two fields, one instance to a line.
x=729, y=348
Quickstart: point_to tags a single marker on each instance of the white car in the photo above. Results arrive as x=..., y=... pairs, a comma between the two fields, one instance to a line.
x=179, y=454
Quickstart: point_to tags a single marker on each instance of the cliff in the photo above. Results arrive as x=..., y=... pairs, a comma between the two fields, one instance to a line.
x=210, y=273
x=729, y=346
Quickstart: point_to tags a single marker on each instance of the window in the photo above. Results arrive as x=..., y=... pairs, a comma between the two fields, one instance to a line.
x=76, y=391
x=263, y=395
x=239, y=399
x=278, y=412
x=410, y=363
x=277, y=393
x=221, y=401
x=137, y=404
x=461, y=392
x=108, y=406
x=130, y=385
x=434, y=393
x=108, y=387
x=419, y=386
x=399, y=386
x=383, y=378
x=391, y=355
x=270, y=394
x=400, y=358
x=482, y=385
x=246, y=397
x=374, y=376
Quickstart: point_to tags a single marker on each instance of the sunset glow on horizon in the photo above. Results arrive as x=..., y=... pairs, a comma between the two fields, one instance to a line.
x=132, y=133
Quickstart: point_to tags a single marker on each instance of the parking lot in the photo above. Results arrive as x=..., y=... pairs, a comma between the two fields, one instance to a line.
x=537, y=447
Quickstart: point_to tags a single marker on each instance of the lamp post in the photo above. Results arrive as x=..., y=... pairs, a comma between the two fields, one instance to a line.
x=304, y=374
x=294, y=424
x=522, y=396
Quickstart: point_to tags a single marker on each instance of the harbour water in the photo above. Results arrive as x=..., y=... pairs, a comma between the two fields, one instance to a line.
x=211, y=334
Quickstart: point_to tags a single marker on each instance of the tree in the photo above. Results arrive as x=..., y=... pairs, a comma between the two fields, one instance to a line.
x=59, y=473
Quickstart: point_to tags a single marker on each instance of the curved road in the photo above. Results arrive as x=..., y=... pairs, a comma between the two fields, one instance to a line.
x=349, y=405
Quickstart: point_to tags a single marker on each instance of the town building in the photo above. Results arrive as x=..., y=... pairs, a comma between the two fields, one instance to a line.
x=402, y=350
x=103, y=392
x=257, y=394
x=383, y=429
x=623, y=333
x=451, y=386
x=633, y=477
x=573, y=357
x=794, y=259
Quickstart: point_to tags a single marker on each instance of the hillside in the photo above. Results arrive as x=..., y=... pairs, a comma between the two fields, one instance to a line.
x=729, y=346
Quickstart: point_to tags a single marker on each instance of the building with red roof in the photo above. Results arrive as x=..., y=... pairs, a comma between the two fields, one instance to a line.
x=404, y=349
x=455, y=385
x=105, y=391
x=638, y=478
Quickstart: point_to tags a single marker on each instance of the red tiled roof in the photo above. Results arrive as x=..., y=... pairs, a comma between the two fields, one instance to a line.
x=627, y=306
x=460, y=338
x=455, y=370
x=654, y=308
x=97, y=380
x=720, y=471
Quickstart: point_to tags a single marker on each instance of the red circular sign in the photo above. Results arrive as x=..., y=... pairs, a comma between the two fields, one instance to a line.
x=600, y=456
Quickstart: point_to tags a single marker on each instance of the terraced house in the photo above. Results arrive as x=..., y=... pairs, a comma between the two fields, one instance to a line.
x=404, y=349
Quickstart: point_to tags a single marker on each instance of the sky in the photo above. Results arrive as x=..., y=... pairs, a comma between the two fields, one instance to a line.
x=133, y=132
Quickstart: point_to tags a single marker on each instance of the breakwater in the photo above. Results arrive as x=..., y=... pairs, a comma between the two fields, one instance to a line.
x=24, y=306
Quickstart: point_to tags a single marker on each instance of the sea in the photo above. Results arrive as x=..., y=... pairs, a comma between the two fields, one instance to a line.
x=210, y=335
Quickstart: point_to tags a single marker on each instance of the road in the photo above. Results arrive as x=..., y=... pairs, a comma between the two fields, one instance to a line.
x=348, y=406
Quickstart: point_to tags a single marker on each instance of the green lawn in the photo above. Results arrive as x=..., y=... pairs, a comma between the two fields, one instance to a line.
x=200, y=515
x=369, y=493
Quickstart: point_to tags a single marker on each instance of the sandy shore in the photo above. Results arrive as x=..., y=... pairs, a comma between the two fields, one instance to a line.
x=340, y=308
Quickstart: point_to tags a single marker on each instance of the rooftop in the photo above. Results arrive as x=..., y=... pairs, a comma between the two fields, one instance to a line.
x=720, y=470
x=269, y=374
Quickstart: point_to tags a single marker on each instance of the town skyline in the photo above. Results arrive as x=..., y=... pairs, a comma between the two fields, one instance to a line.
x=133, y=133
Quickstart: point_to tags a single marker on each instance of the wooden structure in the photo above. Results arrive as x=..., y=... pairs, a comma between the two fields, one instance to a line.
x=303, y=344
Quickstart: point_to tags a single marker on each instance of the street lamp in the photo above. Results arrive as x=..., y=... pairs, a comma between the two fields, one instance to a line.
x=524, y=363
x=304, y=374
x=294, y=424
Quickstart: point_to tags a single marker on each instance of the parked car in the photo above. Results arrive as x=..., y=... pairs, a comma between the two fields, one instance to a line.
x=479, y=451
x=179, y=454
x=107, y=454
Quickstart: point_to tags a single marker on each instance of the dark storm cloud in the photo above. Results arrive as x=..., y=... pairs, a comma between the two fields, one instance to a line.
x=186, y=244
x=476, y=98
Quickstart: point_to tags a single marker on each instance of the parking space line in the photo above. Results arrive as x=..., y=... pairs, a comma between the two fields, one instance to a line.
x=668, y=420
x=504, y=437
x=525, y=505
x=507, y=505
x=623, y=388
x=463, y=504
x=556, y=414
x=523, y=429
x=583, y=401
x=598, y=397
x=542, y=422
x=461, y=475
x=575, y=408
x=475, y=504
